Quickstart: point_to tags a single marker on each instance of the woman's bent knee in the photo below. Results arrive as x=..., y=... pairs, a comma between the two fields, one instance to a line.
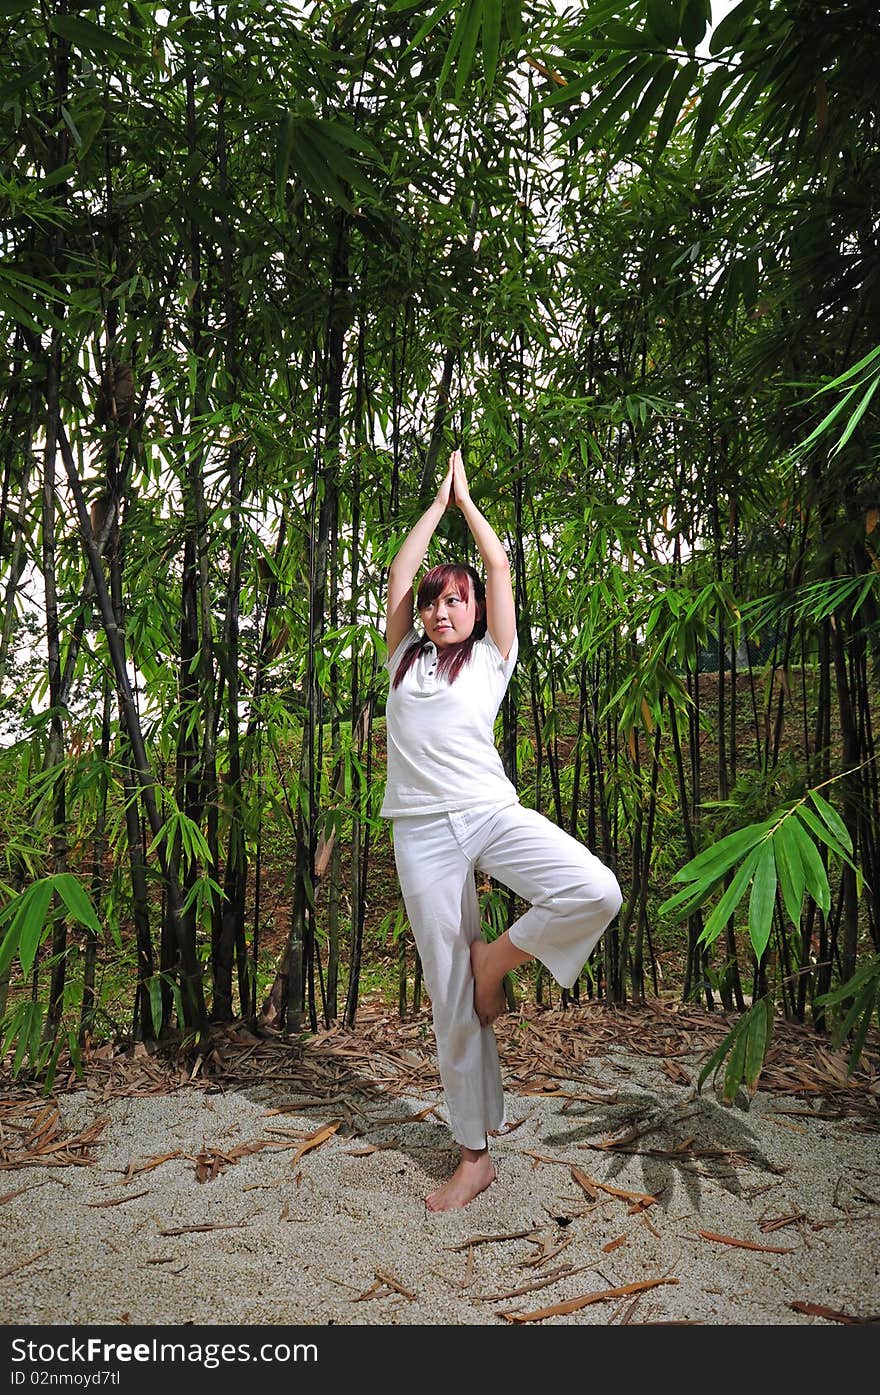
x=604, y=895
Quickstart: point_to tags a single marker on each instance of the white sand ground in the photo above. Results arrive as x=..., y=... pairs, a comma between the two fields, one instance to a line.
x=341, y=1235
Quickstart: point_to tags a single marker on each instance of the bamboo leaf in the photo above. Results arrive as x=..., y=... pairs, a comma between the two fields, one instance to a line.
x=844, y=991
x=311, y=165
x=733, y=26
x=733, y=1076
x=708, y=109
x=695, y=18
x=661, y=18
x=763, y=899
x=36, y=1033
x=470, y=20
x=454, y=43
x=749, y=280
x=820, y=830
x=814, y=872
x=830, y=816
x=8, y=948
x=178, y=1002
x=719, y=858
x=345, y=135
x=154, y=991
x=491, y=39
x=319, y=137
x=639, y=76
x=657, y=88
x=430, y=23
x=687, y=900
x=855, y=1009
x=850, y=373
x=93, y=38
x=720, y=1052
x=678, y=89
x=856, y=416
x=790, y=870
x=760, y=1027
x=730, y=899
x=513, y=21
x=869, y=997
x=31, y=1012
x=90, y=125
x=30, y=921
x=570, y=91
x=283, y=154
x=829, y=418
x=76, y=899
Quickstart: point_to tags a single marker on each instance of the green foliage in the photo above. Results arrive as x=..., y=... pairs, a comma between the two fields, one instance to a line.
x=744, y=1049
x=633, y=278
x=27, y=917
x=779, y=851
x=859, y=996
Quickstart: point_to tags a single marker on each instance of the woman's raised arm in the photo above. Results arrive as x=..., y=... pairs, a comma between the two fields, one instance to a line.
x=401, y=573
x=500, y=608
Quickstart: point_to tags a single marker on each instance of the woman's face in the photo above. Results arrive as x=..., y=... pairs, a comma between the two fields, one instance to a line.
x=450, y=618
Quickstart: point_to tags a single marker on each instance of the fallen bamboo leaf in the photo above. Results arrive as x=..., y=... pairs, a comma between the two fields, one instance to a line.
x=509, y=1128
x=195, y=1229
x=641, y=1198
x=584, y=1182
x=22, y=1264
x=317, y=1138
x=468, y=1269
x=19, y=1191
x=493, y=1239
x=402, y=1119
x=614, y=1244
x=677, y=1074
x=545, y=1158
x=546, y=1253
x=43, y=1125
x=394, y=1284
x=563, y=1272
x=135, y=1169
x=119, y=1200
x=376, y=1290
x=573, y=1305
x=209, y=1165
x=608, y=1145
x=645, y=1218
x=778, y=1222
x=810, y=1113
x=372, y=1148
x=746, y=1244
x=832, y=1315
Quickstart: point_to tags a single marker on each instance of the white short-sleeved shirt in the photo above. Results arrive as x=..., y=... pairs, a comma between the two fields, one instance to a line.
x=441, y=735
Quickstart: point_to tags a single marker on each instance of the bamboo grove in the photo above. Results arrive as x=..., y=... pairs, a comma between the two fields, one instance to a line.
x=263, y=264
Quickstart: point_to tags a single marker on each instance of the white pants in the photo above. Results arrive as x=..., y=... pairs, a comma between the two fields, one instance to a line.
x=574, y=897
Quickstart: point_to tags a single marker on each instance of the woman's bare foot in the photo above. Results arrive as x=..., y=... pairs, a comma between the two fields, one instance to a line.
x=475, y=1172
x=489, y=999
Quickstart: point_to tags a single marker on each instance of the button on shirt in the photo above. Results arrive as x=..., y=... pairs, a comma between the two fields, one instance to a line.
x=441, y=735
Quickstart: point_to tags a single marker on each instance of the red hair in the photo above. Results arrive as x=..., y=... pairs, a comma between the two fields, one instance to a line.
x=452, y=658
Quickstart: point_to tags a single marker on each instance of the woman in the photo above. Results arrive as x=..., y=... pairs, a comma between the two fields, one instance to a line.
x=454, y=810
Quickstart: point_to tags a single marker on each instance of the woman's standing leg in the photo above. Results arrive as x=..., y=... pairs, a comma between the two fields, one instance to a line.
x=437, y=881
